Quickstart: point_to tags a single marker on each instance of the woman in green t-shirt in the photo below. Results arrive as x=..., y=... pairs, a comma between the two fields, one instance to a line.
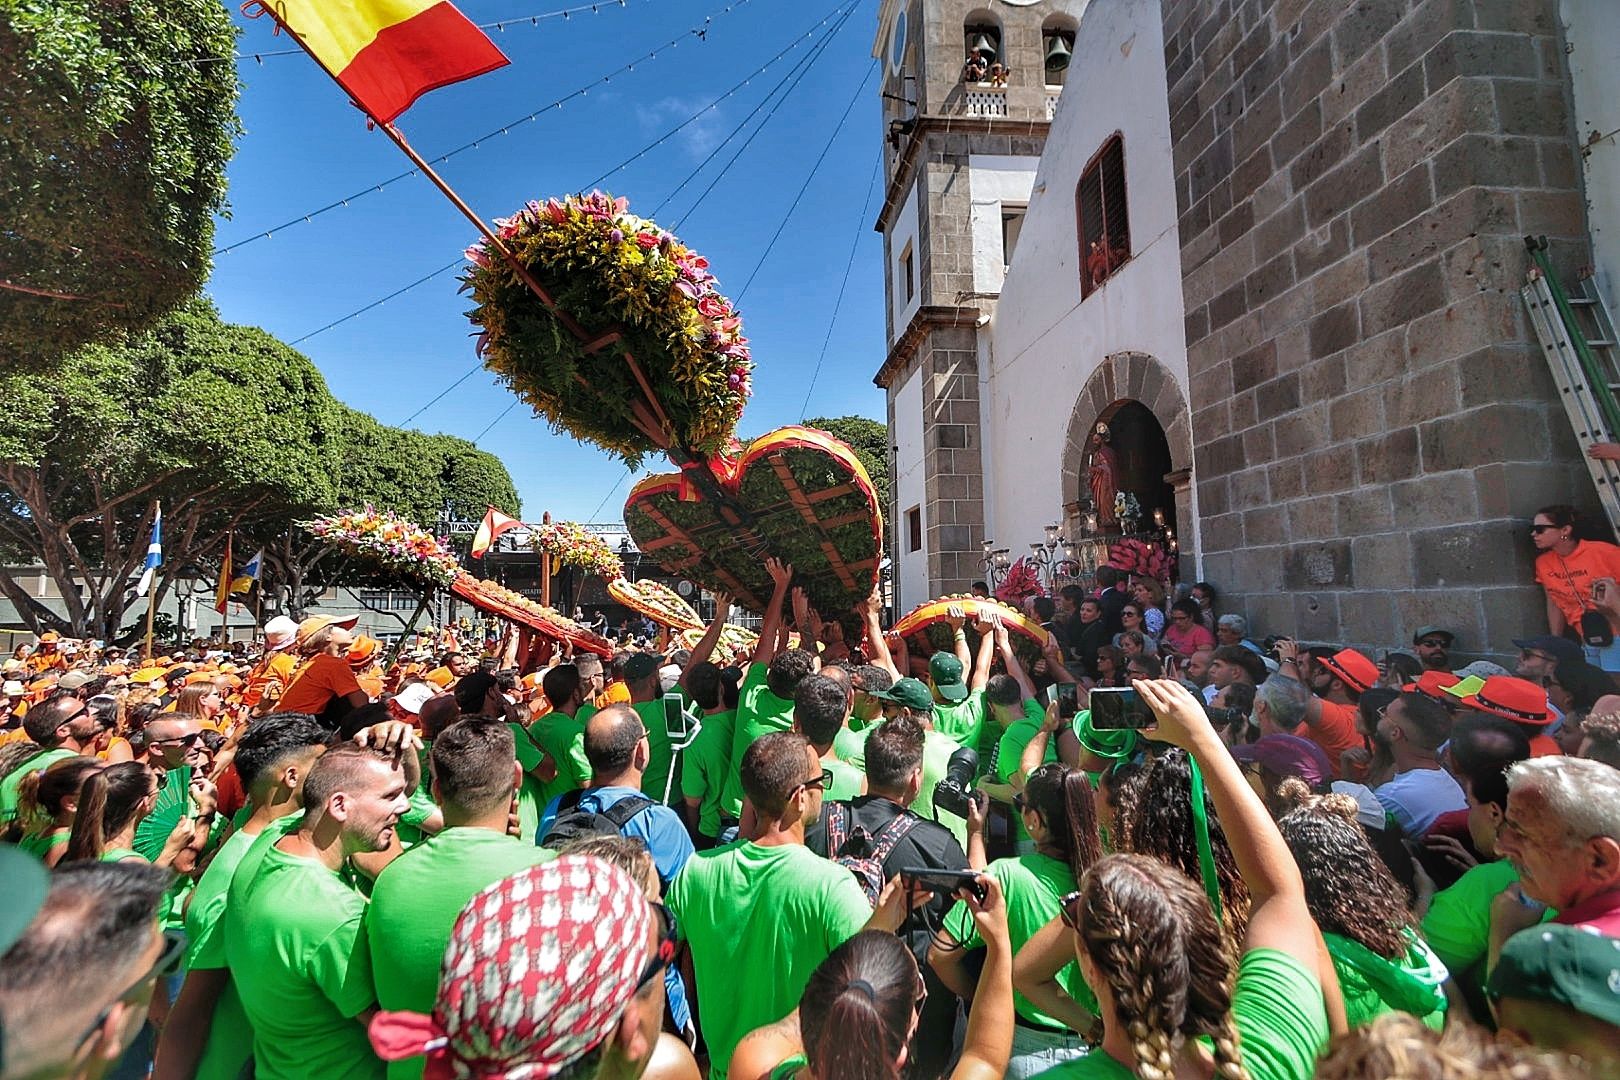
x=1170, y=991
x=1059, y=812
x=112, y=804
x=1382, y=963
x=47, y=803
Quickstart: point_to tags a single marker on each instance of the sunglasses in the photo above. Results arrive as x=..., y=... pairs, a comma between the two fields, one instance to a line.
x=1537, y=530
x=824, y=781
x=167, y=964
x=664, y=954
x=184, y=740
x=1433, y=643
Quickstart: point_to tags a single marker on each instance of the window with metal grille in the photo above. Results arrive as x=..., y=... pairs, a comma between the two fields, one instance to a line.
x=1100, y=209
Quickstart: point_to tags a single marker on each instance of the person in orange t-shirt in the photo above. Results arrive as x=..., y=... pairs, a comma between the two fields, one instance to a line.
x=49, y=655
x=1567, y=567
x=268, y=679
x=324, y=680
x=363, y=656
x=1337, y=682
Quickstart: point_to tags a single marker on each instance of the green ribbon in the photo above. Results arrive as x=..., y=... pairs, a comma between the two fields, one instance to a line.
x=1206, y=854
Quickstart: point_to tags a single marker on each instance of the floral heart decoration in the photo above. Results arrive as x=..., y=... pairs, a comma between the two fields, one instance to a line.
x=797, y=494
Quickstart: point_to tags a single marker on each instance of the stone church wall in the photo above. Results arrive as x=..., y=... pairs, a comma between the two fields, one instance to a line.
x=1372, y=424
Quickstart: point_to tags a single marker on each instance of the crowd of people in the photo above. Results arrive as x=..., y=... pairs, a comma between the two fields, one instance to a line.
x=855, y=856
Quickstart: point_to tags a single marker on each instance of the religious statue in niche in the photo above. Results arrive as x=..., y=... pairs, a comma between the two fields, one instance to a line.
x=1103, y=476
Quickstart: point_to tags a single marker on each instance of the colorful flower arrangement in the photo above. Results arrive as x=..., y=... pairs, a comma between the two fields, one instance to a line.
x=611, y=271
x=569, y=544
x=506, y=603
x=1023, y=581
x=396, y=545
x=1138, y=557
x=736, y=644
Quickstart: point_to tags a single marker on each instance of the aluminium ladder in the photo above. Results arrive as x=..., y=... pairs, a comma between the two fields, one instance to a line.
x=1577, y=337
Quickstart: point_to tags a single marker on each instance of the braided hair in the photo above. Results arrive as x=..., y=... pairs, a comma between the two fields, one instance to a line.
x=1161, y=826
x=1168, y=965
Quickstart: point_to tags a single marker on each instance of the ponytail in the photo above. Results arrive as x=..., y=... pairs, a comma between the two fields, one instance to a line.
x=40, y=794
x=857, y=1007
x=108, y=802
x=1063, y=798
x=88, y=839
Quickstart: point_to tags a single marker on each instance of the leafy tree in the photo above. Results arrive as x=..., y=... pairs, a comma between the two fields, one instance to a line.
x=118, y=122
x=225, y=424
x=413, y=474
x=870, y=441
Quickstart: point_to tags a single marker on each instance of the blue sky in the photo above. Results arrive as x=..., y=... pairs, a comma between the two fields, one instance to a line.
x=305, y=147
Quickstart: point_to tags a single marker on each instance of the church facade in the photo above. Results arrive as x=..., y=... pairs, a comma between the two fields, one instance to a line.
x=1271, y=251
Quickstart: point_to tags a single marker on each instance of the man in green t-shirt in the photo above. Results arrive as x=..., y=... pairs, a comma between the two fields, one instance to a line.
x=815, y=905
x=646, y=697
x=416, y=900
x=562, y=730
x=293, y=921
x=62, y=728
x=909, y=697
x=707, y=762
x=959, y=709
x=820, y=708
x=765, y=700
x=207, y=1035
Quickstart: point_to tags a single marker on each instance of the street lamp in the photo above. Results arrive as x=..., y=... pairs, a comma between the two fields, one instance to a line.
x=630, y=558
x=995, y=561
x=1051, y=556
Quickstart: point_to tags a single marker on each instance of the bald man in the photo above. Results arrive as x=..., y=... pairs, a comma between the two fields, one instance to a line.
x=616, y=746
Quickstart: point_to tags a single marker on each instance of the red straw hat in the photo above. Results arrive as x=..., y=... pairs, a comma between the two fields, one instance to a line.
x=1358, y=672
x=1519, y=700
x=1433, y=684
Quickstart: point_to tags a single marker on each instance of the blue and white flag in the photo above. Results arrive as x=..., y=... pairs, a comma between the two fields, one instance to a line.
x=154, y=554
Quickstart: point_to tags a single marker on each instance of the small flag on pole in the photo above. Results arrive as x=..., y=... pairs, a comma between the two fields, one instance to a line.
x=154, y=554
x=492, y=526
x=249, y=574
x=388, y=53
x=223, y=594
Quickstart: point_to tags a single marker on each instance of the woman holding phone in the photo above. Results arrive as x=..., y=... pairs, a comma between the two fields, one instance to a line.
x=1059, y=812
x=1170, y=991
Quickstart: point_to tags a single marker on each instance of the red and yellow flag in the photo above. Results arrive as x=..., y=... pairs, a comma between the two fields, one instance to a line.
x=222, y=596
x=388, y=53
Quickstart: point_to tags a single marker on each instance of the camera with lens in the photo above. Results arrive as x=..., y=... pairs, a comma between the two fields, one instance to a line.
x=953, y=793
x=1225, y=717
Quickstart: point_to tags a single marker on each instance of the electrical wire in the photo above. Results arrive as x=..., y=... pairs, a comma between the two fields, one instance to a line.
x=489, y=426
x=843, y=8
x=838, y=304
x=839, y=127
x=699, y=32
x=804, y=69
x=721, y=145
x=499, y=25
x=478, y=366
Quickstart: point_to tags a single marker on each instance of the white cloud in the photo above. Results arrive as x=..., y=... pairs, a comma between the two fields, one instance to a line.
x=697, y=138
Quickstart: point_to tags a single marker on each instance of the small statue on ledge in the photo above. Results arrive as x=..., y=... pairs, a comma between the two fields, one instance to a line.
x=1103, y=476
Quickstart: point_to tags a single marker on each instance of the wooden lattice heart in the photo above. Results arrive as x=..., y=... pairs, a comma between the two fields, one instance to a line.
x=797, y=493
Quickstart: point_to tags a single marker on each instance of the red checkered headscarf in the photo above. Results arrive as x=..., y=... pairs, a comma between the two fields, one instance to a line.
x=538, y=970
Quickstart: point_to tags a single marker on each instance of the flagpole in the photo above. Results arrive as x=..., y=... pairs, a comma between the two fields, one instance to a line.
x=648, y=415
x=151, y=592
x=545, y=568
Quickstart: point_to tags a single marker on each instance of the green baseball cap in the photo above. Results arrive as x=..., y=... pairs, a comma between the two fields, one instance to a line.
x=1572, y=966
x=908, y=692
x=945, y=671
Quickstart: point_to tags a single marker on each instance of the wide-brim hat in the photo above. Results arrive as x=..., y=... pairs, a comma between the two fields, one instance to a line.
x=316, y=623
x=1288, y=755
x=1512, y=698
x=363, y=649
x=1354, y=669
x=1433, y=684
x=280, y=632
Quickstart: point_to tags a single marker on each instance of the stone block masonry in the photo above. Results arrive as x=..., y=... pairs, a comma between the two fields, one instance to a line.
x=1373, y=423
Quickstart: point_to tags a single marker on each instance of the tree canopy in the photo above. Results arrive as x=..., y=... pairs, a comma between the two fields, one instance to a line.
x=119, y=122
x=870, y=441
x=234, y=431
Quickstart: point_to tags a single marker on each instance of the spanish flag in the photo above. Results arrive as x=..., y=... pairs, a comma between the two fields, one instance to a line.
x=223, y=596
x=388, y=53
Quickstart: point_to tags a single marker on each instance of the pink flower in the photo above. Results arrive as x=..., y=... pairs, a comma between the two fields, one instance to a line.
x=617, y=236
x=687, y=289
x=476, y=256
x=712, y=307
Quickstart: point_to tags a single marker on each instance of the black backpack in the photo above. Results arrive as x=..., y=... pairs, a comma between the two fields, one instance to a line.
x=571, y=822
x=862, y=853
